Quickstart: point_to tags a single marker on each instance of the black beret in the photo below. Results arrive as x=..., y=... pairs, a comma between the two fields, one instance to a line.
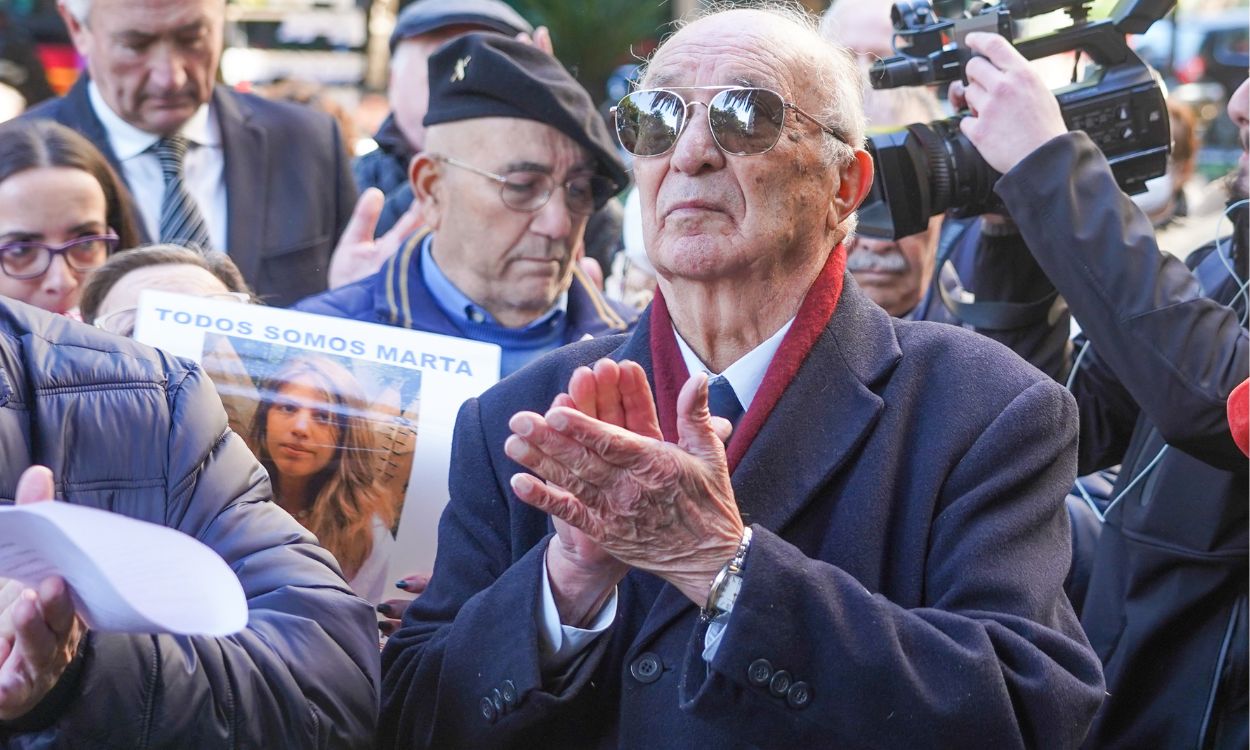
x=425, y=16
x=487, y=75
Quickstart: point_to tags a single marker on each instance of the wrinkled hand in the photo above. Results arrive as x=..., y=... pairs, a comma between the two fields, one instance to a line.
x=357, y=253
x=581, y=573
x=393, y=609
x=39, y=632
x=666, y=509
x=1013, y=113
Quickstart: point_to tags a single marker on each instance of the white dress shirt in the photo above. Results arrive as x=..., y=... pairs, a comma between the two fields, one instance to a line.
x=204, y=166
x=558, y=644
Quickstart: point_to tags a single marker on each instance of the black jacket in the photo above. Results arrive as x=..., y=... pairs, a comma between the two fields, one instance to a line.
x=134, y=431
x=289, y=188
x=1166, y=608
x=990, y=284
x=386, y=167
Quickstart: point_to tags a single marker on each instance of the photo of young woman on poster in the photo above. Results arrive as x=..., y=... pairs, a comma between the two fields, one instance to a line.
x=312, y=433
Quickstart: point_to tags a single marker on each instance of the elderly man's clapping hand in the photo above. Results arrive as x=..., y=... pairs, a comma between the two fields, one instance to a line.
x=663, y=508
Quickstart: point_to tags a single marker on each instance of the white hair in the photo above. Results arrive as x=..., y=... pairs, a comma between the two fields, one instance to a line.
x=892, y=108
x=833, y=78
x=79, y=9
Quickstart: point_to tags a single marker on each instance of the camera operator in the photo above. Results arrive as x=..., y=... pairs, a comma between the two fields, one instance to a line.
x=1166, y=607
x=930, y=274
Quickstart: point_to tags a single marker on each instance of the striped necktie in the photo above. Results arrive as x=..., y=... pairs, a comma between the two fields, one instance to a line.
x=181, y=220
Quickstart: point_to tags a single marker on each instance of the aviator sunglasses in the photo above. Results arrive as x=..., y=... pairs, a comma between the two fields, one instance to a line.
x=744, y=120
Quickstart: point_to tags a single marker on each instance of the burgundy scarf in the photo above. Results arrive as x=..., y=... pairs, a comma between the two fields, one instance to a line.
x=669, y=368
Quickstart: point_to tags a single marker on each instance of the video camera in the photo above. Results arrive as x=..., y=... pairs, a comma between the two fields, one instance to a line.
x=925, y=169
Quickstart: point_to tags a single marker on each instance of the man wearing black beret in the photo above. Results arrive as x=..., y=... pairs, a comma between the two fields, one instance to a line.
x=516, y=159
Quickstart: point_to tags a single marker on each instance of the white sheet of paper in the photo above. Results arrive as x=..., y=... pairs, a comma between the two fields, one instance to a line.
x=125, y=575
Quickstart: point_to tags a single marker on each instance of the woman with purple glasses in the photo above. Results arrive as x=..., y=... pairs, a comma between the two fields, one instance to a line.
x=63, y=211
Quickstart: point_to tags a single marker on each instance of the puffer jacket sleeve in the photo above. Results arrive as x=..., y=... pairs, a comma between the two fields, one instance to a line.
x=303, y=673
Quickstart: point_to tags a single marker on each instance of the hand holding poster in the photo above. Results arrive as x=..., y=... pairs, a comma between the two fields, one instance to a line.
x=353, y=421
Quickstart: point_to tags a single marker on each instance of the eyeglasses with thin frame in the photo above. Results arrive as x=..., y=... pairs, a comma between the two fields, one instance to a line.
x=29, y=260
x=122, y=320
x=744, y=120
x=527, y=190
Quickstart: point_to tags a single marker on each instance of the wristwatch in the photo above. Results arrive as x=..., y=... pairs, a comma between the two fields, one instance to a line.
x=728, y=582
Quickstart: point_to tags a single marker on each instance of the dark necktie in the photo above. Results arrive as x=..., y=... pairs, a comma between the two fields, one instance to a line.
x=722, y=401
x=181, y=220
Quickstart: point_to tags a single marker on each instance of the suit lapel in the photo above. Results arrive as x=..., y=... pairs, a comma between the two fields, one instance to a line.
x=247, y=175
x=826, y=411
x=637, y=348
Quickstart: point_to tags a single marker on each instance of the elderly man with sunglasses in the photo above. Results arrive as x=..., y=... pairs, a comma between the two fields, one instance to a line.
x=516, y=159
x=851, y=535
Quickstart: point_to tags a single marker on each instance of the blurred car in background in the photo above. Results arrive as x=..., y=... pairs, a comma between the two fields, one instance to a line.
x=1208, y=47
x=1203, y=57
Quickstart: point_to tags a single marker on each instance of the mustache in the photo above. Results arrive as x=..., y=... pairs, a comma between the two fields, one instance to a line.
x=862, y=259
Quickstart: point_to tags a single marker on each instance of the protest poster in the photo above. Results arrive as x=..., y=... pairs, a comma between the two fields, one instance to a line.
x=353, y=421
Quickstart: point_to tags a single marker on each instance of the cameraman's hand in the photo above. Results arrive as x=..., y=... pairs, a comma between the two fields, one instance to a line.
x=1013, y=113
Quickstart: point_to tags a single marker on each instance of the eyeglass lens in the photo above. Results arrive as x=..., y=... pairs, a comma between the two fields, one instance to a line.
x=530, y=191
x=25, y=260
x=743, y=121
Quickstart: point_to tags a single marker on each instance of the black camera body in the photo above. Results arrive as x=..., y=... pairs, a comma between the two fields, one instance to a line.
x=925, y=169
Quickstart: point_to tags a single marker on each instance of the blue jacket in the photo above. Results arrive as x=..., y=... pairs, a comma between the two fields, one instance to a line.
x=134, y=431
x=384, y=298
x=910, y=544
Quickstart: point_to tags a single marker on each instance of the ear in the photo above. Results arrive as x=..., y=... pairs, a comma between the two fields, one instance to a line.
x=854, y=182
x=78, y=31
x=427, y=188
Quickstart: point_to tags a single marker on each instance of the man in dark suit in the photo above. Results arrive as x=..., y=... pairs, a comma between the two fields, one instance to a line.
x=876, y=555
x=267, y=182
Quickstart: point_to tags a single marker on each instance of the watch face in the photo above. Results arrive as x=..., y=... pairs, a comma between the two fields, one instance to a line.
x=728, y=593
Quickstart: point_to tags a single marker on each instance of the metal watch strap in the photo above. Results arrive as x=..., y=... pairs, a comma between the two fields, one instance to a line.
x=731, y=569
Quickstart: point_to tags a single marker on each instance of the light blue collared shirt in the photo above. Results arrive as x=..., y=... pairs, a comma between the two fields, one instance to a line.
x=519, y=345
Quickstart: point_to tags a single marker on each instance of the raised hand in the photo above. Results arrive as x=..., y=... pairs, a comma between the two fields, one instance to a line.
x=1013, y=113
x=357, y=253
x=666, y=509
x=39, y=632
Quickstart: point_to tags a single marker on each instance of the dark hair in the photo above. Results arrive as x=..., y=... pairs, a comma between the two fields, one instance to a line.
x=32, y=144
x=102, y=279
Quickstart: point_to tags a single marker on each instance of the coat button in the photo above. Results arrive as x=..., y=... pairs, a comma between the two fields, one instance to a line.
x=496, y=700
x=488, y=711
x=760, y=672
x=798, y=696
x=780, y=683
x=646, y=668
x=510, y=697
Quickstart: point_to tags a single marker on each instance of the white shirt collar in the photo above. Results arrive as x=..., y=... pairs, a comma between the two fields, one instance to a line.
x=128, y=141
x=744, y=375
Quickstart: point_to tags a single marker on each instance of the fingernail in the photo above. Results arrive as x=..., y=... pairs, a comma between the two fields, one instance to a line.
x=385, y=609
x=557, y=421
x=515, y=448
x=522, y=425
x=401, y=584
x=386, y=627
x=520, y=483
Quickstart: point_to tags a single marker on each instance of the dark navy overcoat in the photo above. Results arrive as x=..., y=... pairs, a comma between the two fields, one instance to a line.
x=910, y=546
